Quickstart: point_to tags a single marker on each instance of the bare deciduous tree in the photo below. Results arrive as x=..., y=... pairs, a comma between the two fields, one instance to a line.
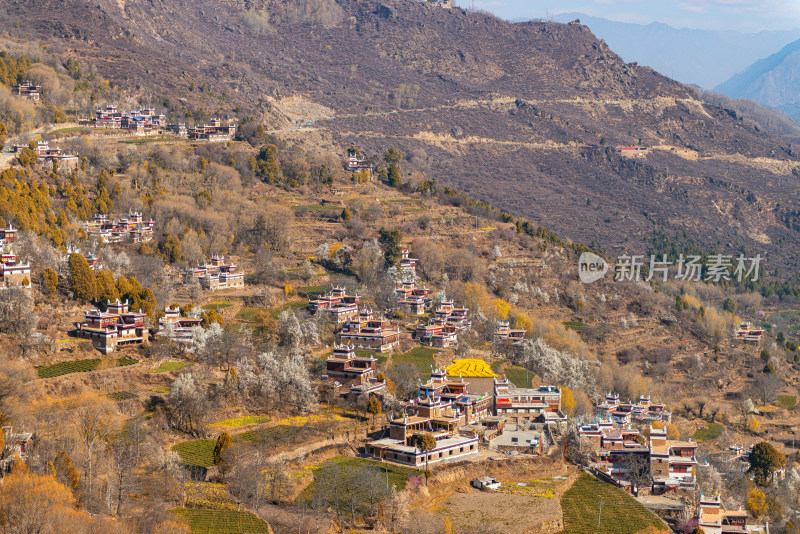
x=17, y=317
x=92, y=423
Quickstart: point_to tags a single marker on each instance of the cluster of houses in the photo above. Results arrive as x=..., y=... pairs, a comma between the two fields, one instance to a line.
x=147, y=120
x=749, y=335
x=28, y=90
x=133, y=228
x=13, y=271
x=620, y=454
x=444, y=326
x=458, y=420
x=139, y=121
x=217, y=275
x=119, y=327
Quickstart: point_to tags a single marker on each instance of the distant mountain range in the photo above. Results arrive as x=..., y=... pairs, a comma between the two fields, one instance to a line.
x=773, y=81
x=703, y=57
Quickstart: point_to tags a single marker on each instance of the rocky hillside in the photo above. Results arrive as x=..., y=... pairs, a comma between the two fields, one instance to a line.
x=524, y=115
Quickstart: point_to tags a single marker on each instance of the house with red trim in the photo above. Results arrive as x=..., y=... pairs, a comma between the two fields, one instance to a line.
x=28, y=90
x=177, y=327
x=367, y=332
x=340, y=305
x=714, y=518
x=115, y=328
x=217, y=275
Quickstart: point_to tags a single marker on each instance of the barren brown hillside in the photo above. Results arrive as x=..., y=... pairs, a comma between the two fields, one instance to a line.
x=522, y=115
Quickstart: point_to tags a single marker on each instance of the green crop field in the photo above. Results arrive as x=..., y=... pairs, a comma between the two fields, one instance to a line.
x=217, y=305
x=621, y=513
x=81, y=366
x=121, y=395
x=712, y=431
x=317, y=207
x=166, y=367
x=519, y=376
x=312, y=291
x=73, y=129
x=275, y=435
x=199, y=452
x=398, y=475
x=221, y=521
x=787, y=402
x=422, y=357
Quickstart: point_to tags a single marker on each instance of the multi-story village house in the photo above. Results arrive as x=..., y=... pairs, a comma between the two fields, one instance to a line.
x=213, y=131
x=408, y=265
x=16, y=449
x=505, y=335
x=13, y=271
x=217, y=275
x=114, y=328
x=749, y=335
x=431, y=416
x=672, y=462
x=528, y=404
x=357, y=372
x=29, y=90
x=337, y=303
x=416, y=300
x=715, y=519
x=367, y=332
x=179, y=328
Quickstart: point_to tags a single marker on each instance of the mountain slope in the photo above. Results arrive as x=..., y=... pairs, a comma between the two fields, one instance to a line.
x=702, y=57
x=773, y=81
x=519, y=115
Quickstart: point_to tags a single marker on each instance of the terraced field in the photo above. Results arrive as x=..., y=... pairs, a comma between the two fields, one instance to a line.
x=621, y=513
x=167, y=367
x=421, y=357
x=221, y=521
x=199, y=452
x=121, y=396
x=81, y=366
x=242, y=421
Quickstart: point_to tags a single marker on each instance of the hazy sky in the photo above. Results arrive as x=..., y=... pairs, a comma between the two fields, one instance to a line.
x=746, y=15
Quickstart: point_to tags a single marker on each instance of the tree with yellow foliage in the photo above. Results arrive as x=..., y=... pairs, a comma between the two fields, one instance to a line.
x=502, y=308
x=752, y=424
x=31, y=502
x=567, y=401
x=756, y=502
